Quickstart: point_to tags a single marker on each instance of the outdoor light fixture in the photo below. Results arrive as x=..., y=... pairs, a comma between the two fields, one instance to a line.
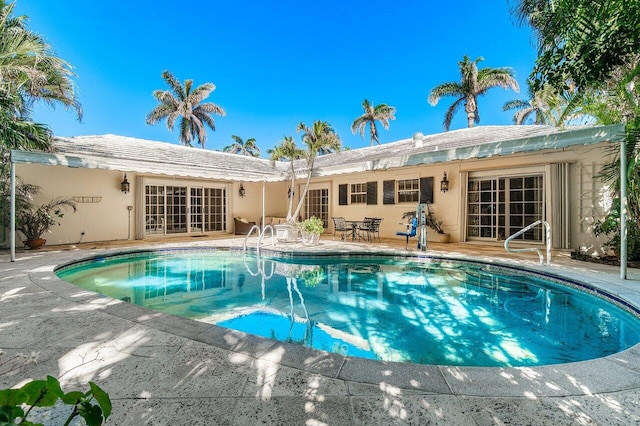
x=444, y=183
x=289, y=193
x=241, y=191
x=124, y=185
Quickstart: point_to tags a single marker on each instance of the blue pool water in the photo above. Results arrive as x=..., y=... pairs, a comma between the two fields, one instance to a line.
x=429, y=311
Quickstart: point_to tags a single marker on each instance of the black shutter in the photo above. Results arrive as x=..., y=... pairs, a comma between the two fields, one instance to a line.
x=426, y=190
x=389, y=192
x=372, y=193
x=342, y=195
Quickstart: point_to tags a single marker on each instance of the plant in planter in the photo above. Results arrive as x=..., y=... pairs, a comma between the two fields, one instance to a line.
x=311, y=230
x=432, y=223
x=34, y=221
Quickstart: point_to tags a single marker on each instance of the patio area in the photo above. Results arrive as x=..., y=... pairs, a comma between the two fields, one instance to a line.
x=162, y=370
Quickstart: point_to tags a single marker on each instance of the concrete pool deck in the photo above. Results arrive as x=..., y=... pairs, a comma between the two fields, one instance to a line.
x=162, y=370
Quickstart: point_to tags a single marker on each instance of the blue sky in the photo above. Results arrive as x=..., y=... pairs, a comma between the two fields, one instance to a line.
x=276, y=63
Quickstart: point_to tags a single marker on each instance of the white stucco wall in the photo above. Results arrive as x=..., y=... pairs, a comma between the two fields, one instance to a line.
x=110, y=219
x=106, y=220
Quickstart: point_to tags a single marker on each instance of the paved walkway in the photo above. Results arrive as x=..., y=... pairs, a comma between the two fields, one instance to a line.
x=163, y=370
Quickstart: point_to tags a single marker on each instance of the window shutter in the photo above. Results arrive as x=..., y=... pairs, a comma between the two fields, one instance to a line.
x=372, y=193
x=389, y=192
x=342, y=195
x=426, y=190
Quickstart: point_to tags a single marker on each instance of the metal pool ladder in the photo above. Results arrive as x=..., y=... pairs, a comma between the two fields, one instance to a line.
x=260, y=236
x=522, y=231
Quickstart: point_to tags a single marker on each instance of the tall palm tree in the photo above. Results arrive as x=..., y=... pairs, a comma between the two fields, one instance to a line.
x=29, y=72
x=241, y=147
x=185, y=103
x=543, y=107
x=382, y=113
x=474, y=83
x=319, y=139
x=287, y=150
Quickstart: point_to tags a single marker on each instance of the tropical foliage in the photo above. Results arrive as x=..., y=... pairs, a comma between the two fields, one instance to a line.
x=592, y=49
x=287, y=151
x=241, y=147
x=94, y=406
x=185, y=103
x=544, y=106
x=381, y=113
x=29, y=72
x=319, y=139
x=580, y=42
x=474, y=82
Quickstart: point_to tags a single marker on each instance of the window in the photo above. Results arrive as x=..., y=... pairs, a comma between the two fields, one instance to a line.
x=215, y=209
x=176, y=209
x=408, y=190
x=499, y=207
x=182, y=209
x=154, y=209
x=358, y=193
x=317, y=204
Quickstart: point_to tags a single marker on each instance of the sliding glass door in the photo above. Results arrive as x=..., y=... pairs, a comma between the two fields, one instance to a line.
x=498, y=207
x=168, y=209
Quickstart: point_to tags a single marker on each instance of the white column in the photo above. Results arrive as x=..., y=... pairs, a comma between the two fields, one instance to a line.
x=12, y=226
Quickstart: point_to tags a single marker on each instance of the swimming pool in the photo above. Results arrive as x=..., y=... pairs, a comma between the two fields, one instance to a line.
x=427, y=310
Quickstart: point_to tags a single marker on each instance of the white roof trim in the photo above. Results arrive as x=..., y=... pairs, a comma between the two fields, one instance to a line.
x=110, y=152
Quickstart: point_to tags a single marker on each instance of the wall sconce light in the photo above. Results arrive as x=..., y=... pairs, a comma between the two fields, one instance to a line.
x=241, y=191
x=444, y=183
x=124, y=185
x=290, y=193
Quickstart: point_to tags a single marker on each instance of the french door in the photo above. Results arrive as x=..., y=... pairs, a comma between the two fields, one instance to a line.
x=317, y=204
x=498, y=207
x=168, y=209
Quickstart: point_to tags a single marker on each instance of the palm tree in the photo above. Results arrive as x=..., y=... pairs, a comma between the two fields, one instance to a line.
x=382, y=113
x=287, y=150
x=29, y=72
x=186, y=104
x=320, y=139
x=543, y=107
x=241, y=147
x=474, y=83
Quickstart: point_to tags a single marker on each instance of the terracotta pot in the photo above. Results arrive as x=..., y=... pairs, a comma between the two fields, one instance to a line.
x=35, y=244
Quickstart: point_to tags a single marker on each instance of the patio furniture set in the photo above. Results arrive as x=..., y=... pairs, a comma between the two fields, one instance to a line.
x=364, y=229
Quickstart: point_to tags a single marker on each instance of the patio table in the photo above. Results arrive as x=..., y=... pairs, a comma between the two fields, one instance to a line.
x=355, y=224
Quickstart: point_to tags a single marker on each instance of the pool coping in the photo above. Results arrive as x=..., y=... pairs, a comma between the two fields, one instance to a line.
x=614, y=373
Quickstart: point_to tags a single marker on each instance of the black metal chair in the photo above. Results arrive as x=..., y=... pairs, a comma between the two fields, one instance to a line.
x=371, y=225
x=341, y=227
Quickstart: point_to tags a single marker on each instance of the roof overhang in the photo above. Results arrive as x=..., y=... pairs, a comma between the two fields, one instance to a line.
x=554, y=141
x=135, y=166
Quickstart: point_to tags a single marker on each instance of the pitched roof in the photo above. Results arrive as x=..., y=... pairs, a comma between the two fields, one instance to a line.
x=127, y=154
x=476, y=142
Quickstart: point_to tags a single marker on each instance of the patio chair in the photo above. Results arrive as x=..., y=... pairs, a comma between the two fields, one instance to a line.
x=341, y=227
x=371, y=225
x=410, y=232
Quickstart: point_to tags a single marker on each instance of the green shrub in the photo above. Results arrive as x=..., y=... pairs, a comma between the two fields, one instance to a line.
x=46, y=393
x=610, y=226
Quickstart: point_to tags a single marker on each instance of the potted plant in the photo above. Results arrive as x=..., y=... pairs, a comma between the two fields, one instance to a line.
x=432, y=223
x=310, y=230
x=34, y=221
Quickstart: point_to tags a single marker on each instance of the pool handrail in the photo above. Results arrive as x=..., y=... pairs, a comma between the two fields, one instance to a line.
x=537, y=250
x=257, y=228
x=273, y=237
x=260, y=236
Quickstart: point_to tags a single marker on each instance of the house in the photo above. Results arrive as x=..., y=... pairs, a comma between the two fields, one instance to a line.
x=499, y=179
